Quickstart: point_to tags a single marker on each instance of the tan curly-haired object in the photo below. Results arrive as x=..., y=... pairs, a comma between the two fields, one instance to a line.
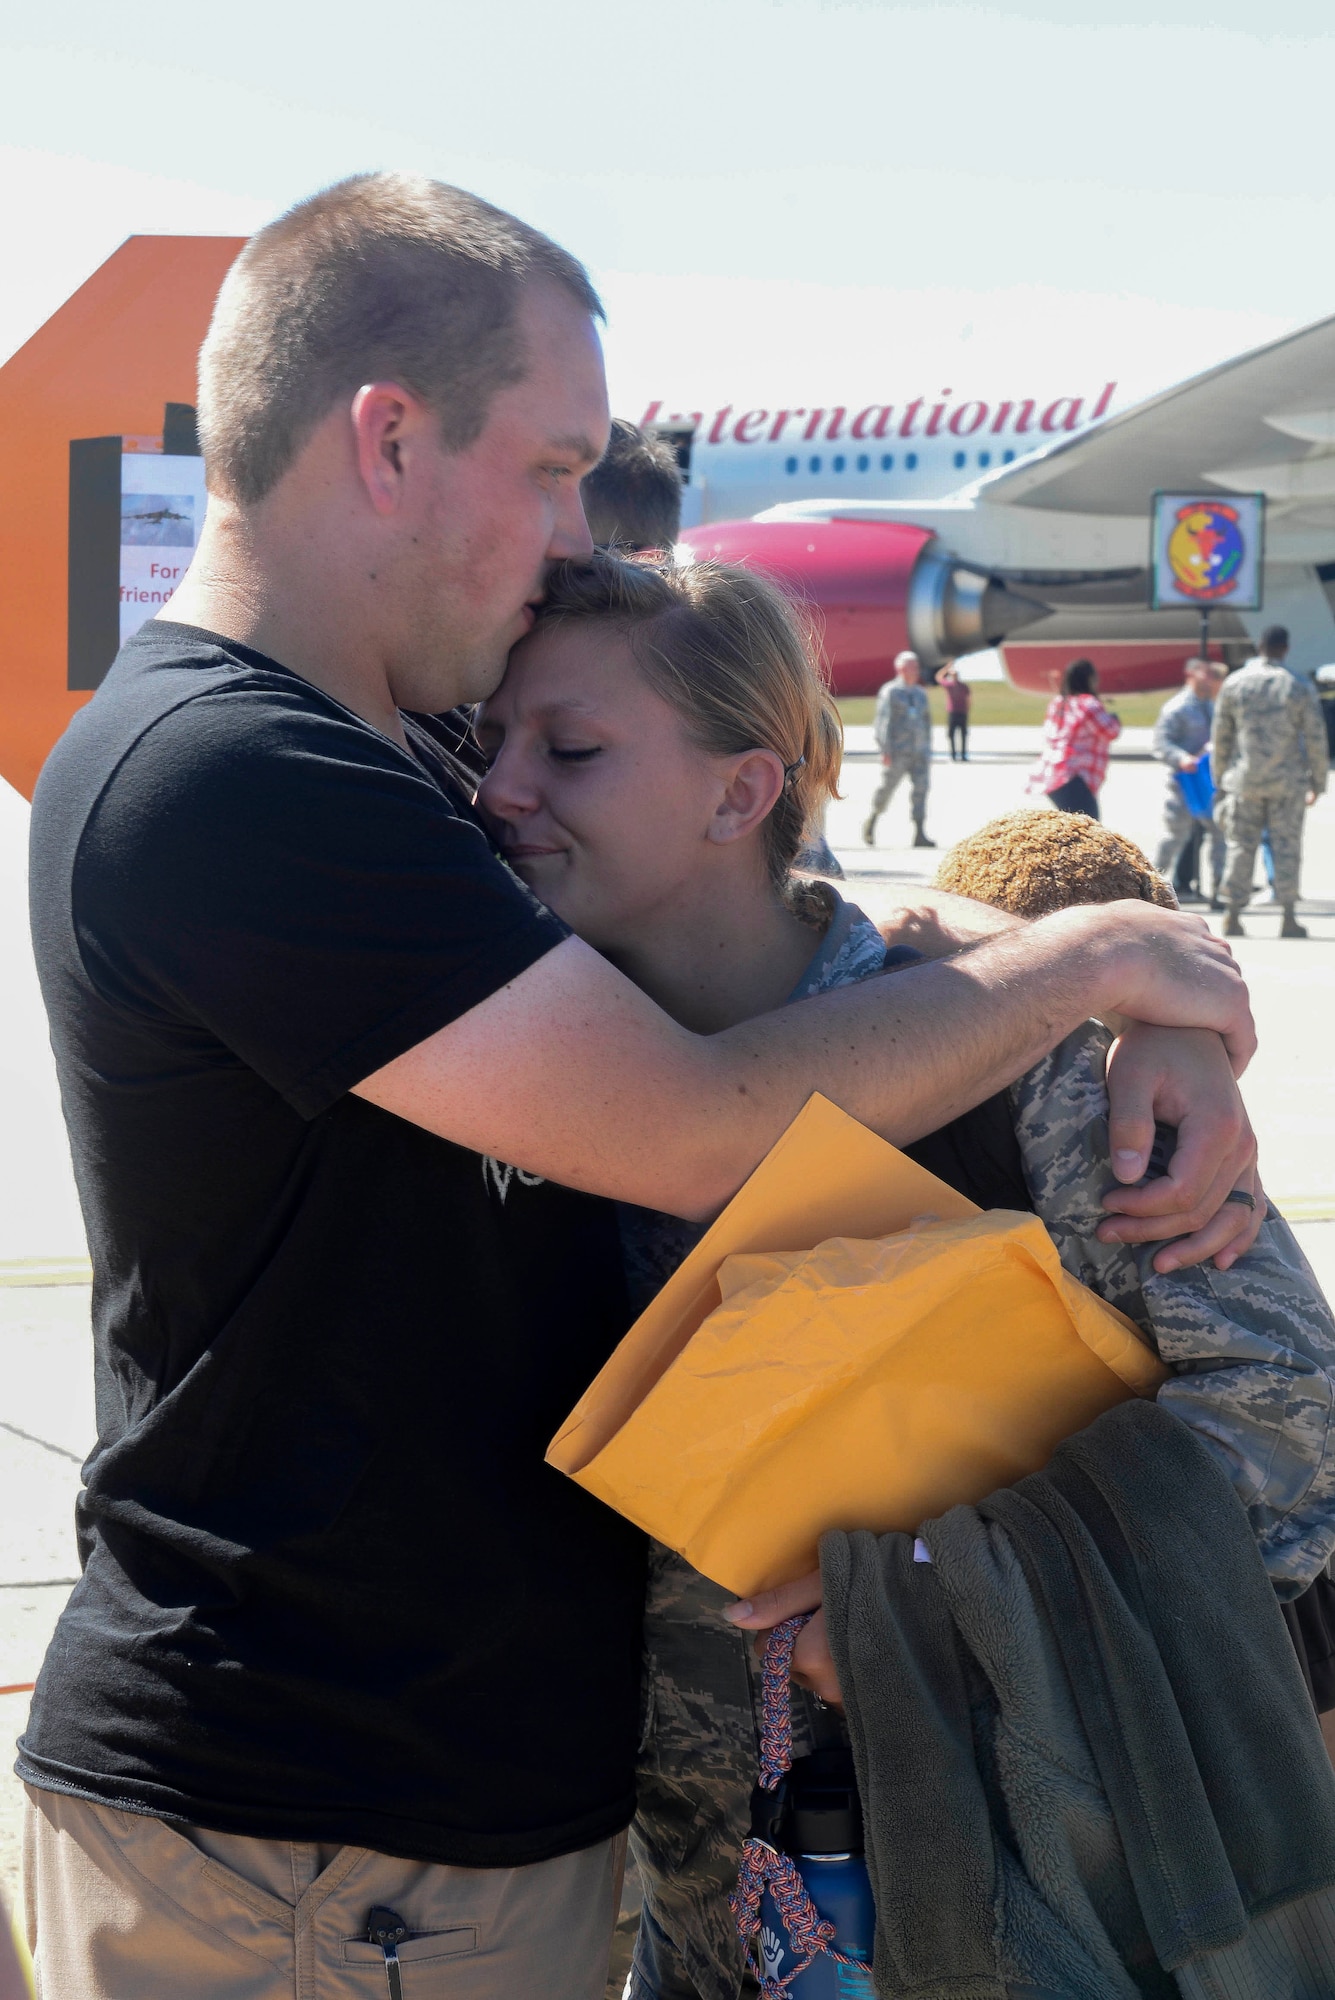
x=1034, y=861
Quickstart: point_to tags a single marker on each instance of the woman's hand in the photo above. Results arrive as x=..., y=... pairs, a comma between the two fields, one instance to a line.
x=1183, y=1077
x=813, y=1665
x=938, y=924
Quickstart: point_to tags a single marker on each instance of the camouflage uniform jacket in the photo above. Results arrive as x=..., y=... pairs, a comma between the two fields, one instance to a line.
x=1251, y=1349
x=1252, y=1352
x=1269, y=734
x=903, y=723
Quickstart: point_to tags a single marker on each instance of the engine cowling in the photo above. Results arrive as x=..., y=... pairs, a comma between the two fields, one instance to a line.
x=873, y=588
x=1126, y=669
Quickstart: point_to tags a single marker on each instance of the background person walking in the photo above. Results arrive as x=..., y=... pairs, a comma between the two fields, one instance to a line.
x=1077, y=733
x=903, y=730
x=1269, y=757
x=959, y=698
x=1181, y=740
x=1273, y=651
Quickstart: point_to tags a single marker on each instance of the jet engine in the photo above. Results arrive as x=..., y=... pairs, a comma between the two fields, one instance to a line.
x=872, y=589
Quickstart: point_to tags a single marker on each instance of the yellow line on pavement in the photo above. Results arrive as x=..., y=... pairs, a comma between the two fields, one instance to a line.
x=47, y=1271
x=1305, y=1208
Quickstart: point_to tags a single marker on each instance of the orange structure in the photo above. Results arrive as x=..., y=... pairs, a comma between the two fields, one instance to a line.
x=104, y=365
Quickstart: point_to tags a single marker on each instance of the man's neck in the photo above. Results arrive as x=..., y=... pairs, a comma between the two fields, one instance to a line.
x=719, y=959
x=233, y=589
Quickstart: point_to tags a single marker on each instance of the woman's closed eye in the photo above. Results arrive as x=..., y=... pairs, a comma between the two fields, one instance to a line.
x=561, y=756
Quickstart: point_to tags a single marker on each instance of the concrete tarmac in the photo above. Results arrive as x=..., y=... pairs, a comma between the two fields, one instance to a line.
x=46, y=1404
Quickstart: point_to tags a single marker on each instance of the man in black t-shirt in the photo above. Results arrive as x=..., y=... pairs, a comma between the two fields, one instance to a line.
x=350, y=1673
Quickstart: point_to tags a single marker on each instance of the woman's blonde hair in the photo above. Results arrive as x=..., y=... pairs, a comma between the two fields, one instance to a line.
x=730, y=653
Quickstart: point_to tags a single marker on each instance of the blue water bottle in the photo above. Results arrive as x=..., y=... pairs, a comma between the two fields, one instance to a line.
x=816, y=1819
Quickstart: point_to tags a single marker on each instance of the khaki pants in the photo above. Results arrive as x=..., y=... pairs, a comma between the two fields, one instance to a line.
x=123, y=1907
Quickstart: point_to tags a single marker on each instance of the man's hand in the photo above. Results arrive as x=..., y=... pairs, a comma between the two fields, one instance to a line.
x=1182, y=1077
x=1166, y=967
x=813, y=1664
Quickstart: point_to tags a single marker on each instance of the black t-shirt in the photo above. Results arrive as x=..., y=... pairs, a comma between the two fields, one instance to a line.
x=331, y=1591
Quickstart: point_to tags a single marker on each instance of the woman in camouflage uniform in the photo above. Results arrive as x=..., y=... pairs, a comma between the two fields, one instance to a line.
x=687, y=740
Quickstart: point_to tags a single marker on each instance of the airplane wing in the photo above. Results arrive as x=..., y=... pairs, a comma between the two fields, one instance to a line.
x=1275, y=407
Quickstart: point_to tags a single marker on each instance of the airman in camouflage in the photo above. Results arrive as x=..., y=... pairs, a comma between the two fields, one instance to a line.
x=1268, y=756
x=903, y=731
x=1252, y=1354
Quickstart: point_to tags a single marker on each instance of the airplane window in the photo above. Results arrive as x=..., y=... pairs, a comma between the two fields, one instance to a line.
x=814, y=465
x=911, y=461
x=863, y=461
x=887, y=461
x=985, y=458
x=839, y=462
x=1006, y=457
x=959, y=460
x=790, y=465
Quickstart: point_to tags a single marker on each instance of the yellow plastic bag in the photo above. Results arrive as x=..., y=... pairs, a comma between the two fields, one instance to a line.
x=852, y=1345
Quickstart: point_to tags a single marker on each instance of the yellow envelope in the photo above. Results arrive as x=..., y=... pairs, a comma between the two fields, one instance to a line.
x=852, y=1344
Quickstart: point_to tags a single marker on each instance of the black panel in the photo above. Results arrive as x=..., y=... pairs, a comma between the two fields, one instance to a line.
x=180, y=433
x=94, y=559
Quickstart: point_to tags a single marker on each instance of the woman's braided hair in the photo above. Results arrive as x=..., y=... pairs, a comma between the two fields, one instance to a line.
x=731, y=654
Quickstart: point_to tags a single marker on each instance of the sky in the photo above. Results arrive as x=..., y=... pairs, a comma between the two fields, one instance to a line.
x=770, y=193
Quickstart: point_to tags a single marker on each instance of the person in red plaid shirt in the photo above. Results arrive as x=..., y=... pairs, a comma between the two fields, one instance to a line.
x=1077, y=733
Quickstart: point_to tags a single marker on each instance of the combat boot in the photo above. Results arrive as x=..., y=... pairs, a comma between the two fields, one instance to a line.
x=1233, y=925
x=920, y=835
x=869, y=830
x=1290, y=926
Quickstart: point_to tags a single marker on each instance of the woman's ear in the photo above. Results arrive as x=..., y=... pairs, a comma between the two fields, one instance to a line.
x=752, y=784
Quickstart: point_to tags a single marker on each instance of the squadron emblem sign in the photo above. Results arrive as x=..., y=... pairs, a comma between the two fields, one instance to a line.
x=1206, y=550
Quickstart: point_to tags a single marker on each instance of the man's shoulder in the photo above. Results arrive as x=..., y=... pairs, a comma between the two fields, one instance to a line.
x=183, y=715
x=190, y=758
x=1264, y=685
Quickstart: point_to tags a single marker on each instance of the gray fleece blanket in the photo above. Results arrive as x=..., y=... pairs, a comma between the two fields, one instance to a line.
x=1088, y=1760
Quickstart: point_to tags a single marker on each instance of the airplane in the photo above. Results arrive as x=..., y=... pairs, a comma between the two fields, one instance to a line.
x=1030, y=529
x=158, y=515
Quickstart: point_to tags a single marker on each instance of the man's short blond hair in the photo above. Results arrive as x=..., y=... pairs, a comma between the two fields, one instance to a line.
x=384, y=277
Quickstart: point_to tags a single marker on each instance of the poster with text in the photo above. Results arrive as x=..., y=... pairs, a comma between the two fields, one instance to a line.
x=162, y=511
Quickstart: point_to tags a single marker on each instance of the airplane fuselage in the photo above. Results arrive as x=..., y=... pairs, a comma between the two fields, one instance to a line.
x=740, y=459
